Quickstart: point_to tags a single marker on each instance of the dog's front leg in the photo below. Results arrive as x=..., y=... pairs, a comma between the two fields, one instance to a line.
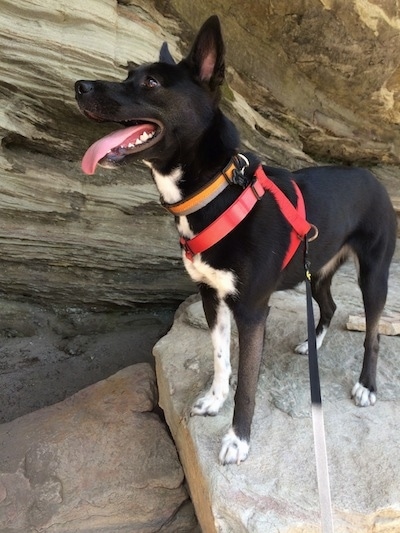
x=236, y=443
x=219, y=321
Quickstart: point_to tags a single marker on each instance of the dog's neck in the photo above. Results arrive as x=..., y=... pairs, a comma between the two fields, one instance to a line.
x=186, y=172
x=168, y=183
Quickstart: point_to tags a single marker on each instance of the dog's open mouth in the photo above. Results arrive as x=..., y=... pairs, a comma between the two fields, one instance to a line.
x=111, y=149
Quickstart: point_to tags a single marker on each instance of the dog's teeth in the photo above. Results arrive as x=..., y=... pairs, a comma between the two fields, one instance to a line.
x=141, y=140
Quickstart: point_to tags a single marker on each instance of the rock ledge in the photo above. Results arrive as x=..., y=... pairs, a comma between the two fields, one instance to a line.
x=275, y=489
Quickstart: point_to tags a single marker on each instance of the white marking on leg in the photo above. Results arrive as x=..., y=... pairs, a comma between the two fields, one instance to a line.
x=362, y=396
x=302, y=348
x=233, y=449
x=213, y=400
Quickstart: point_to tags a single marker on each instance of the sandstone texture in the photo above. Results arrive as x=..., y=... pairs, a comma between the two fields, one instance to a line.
x=328, y=68
x=275, y=490
x=101, y=462
x=67, y=238
x=307, y=81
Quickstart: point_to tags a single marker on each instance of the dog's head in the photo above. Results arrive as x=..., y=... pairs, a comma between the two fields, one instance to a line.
x=162, y=107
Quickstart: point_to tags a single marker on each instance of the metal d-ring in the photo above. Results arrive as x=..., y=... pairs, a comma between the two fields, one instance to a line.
x=316, y=233
x=246, y=162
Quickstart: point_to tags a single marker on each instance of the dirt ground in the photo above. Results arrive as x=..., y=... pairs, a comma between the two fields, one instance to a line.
x=48, y=355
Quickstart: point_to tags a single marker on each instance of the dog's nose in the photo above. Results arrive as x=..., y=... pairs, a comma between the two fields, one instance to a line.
x=83, y=87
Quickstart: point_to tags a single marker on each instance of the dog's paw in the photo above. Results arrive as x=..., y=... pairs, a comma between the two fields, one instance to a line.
x=233, y=449
x=362, y=396
x=209, y=404
x=302, y=348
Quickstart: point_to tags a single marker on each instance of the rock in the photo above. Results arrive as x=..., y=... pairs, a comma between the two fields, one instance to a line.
x=389, y=323
x=296, y=93
x=275, y=488
x=100, y=461
x=66, y=237
x=337, y=87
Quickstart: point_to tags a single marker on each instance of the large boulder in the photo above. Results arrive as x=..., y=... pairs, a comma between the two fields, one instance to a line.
x=275, y=489
x=99, y=462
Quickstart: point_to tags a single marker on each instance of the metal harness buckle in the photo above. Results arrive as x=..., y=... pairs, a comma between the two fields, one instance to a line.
x=255, y=192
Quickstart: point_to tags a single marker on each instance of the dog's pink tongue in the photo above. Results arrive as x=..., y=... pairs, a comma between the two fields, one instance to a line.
x=103, y=146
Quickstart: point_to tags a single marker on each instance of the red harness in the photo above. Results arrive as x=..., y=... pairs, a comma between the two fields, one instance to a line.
x=225, y=223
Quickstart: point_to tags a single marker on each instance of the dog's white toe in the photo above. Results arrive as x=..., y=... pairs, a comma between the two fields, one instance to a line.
x=362, y=396
x=302, y=348
x=209, y=404
x=233, y=449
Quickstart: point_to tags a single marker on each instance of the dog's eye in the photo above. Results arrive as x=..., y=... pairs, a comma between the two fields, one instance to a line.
x=149, y=82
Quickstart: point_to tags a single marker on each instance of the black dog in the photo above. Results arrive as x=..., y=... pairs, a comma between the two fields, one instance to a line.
x=171, y=119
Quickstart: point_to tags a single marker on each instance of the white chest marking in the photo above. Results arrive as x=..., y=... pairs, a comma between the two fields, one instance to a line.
x=223, y=281
x=184, y=228
x=167, y=184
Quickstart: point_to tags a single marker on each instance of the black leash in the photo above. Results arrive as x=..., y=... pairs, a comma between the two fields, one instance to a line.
x=316, y=409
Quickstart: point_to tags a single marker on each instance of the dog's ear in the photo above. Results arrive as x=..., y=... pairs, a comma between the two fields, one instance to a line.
x=206, y=58
x=165, y=55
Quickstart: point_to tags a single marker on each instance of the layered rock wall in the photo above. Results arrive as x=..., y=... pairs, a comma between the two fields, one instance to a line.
x=328, y=68
x=66, y=238
x=316, y=79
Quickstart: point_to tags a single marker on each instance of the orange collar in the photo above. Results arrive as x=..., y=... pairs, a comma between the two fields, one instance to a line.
x=211, y=190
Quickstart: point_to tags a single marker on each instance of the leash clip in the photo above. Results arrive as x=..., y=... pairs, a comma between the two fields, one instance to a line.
x=238, y=177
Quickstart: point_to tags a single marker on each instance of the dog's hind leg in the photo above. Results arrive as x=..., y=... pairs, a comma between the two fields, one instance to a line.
x=321, y=292
x=373, y=282
x=235, y=444
x=219, y=321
